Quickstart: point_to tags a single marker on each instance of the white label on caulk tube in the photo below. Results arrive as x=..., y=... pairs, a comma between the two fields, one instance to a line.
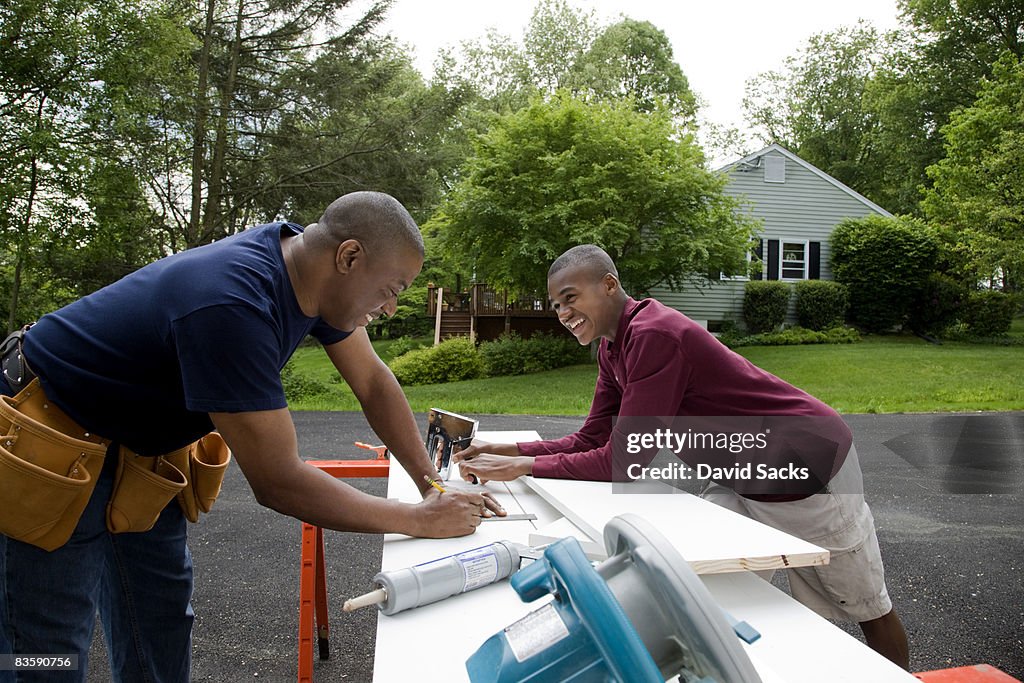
x=479, y=567
x=535, y=632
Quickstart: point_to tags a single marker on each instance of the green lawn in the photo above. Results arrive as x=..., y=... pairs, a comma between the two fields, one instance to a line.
x=883, y=374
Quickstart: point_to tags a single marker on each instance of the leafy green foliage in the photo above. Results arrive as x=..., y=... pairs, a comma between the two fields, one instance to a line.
x=404, y=345
x=564, y=48
x=452, y=360
x=979, y=186
x=794, y=336
x=510, y=354
x=885, y=262
x=564, y=172
x=939, y=305
x=821, y=304
x=989, y=313
x=764, y=305
x=816, y=105
x=299, y=386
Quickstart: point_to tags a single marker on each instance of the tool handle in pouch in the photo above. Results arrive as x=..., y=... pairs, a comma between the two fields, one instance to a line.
x=142, y=489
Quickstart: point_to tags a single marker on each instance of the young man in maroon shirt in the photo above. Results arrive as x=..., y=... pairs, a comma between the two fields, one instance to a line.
x=654, y=361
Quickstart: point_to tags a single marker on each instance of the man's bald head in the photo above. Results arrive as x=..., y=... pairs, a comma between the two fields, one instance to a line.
x=376, y=220
x=593, y=261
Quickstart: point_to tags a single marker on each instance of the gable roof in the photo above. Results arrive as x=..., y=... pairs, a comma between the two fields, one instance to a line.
x=775, y=147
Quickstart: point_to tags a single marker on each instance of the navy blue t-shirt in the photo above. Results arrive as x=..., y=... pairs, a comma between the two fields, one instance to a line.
x=143, y=361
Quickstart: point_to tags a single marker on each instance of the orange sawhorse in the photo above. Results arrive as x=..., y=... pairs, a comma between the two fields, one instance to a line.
x=979, y=673
x=312, y=574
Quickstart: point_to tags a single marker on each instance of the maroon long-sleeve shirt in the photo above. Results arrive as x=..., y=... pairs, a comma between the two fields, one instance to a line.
x=663, y=364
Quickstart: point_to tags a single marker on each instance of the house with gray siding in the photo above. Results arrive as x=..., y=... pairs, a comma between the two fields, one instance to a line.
x=798, y=206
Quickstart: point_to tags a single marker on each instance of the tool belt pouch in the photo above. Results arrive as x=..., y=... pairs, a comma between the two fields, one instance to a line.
x=205, y=462
x=46, y=474
x=208, y=464
x=143, y=486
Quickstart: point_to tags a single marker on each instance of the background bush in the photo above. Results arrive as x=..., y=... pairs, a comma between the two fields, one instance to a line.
x=452, y=360
x=989, y=313
x=794, y=336
x=298, y=387
x=939, y=305
x=885, y=262
x=764, y=305
x=510, y=354
x=821, y=304
x=404, y=345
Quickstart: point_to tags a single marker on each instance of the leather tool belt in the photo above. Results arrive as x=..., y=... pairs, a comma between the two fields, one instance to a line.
x=49, y=466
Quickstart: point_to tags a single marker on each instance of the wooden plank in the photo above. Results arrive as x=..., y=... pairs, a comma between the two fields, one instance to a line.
x=712, y=539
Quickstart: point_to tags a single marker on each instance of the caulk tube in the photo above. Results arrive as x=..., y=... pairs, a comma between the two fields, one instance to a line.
x=436, y=580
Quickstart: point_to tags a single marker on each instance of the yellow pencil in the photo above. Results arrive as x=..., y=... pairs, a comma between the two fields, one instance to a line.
x=434, y=483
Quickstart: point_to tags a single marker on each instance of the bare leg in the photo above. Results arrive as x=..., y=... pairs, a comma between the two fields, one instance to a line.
x=885, y=635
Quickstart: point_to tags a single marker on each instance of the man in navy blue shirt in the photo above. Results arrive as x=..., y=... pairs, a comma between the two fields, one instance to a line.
x=196, y=342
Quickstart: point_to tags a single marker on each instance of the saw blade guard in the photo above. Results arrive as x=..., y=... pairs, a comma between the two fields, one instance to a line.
x=641, y=616
x=679, y=621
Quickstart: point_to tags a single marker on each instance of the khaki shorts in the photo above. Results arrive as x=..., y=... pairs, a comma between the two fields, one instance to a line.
x=851, y=587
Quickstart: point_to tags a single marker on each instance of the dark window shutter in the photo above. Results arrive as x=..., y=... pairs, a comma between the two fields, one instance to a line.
x=759, y=253
x=773, y=259
x=814, y=261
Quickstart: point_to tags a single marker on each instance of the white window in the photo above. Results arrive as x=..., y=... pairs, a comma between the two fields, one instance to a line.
x=792, y=260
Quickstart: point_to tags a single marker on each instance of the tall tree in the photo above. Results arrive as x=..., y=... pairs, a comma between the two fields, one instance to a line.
x=562, y=172
x=68, y=73
x=818, y=105
x=979, y=186
x=567, y=48
x=239, y=92
x=633, y=60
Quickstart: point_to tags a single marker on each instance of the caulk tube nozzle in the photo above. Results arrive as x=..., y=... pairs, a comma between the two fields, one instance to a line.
x=374, y=597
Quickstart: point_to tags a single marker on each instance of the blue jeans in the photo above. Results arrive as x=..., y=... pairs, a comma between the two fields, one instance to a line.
x=140, y=583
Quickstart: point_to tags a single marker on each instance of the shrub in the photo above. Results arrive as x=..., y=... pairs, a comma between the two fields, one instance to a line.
x=821, y=304
x=548, y=351
x=504, y=355
x=764, y=305
x=510, y=354
x=452, y=360
x=404, y=345
x=794, y=336
x=298, y=386
x=885, y=262
x=989, y=313
x=938, y=306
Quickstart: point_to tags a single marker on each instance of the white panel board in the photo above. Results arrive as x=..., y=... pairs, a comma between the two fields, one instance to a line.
x=711, y=538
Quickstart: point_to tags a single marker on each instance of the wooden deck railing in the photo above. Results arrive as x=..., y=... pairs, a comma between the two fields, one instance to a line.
x=483, y=301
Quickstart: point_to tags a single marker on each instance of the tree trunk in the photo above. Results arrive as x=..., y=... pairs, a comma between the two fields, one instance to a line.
x=212, y=215
x=25, y=236
x=199, y=126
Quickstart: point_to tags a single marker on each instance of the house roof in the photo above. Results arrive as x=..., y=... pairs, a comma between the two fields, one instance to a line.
x=810, y=167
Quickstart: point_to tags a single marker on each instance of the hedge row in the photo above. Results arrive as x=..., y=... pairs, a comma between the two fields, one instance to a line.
x=820, y=304
x=459, y=358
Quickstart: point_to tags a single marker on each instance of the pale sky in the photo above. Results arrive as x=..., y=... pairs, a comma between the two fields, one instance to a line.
x=719, y=44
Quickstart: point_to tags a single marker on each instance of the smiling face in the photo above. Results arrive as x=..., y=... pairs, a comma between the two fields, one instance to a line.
x=587, y=304
x=366, y=286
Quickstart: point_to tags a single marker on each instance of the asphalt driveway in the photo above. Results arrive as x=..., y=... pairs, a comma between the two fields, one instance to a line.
x=947, y=492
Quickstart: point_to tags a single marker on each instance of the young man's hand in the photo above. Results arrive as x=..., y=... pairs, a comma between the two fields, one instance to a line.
x=480, y=469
